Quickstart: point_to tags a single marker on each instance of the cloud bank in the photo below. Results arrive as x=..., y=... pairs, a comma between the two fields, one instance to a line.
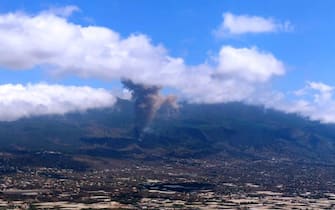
x=19, y=101
x=249, y=64
x=315, y=101
x=49, y=40
x=245, y=24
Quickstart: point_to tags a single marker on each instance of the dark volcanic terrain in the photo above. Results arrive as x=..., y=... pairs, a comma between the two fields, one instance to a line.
x=198, y=156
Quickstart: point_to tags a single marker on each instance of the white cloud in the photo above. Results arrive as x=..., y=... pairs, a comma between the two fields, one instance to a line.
x=206, y=89
x=322, y=93
x=63, y=47
x=319, y=86
x=249, y=64
x=18, y=101
x=315, y=101
x=241, y=24
x=63, y=11
x=51, y=41
x=316, y=91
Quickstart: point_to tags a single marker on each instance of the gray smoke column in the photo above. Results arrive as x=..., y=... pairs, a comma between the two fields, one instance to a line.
x=147, y=101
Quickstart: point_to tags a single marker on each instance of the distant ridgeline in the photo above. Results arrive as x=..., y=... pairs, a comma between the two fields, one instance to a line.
x=231, y=130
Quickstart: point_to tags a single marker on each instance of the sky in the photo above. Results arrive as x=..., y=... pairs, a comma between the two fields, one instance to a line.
x=64, y=56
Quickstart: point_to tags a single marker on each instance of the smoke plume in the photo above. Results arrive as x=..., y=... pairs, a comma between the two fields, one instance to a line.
x=147, y=101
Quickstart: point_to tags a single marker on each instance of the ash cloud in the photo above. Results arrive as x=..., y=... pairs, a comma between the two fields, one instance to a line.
x=147, y=100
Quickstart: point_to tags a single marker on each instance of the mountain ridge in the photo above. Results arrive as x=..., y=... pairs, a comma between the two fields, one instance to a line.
x=231, y=130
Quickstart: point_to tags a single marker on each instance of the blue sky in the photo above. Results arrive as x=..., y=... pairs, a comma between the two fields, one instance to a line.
x=186, y=30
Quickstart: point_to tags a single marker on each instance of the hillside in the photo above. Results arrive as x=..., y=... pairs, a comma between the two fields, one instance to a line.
x=232, y=130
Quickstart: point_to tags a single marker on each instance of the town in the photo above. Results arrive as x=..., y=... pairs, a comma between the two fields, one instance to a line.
x=169, y=184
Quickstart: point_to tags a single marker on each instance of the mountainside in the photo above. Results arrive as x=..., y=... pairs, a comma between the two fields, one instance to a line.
x=232, y=130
